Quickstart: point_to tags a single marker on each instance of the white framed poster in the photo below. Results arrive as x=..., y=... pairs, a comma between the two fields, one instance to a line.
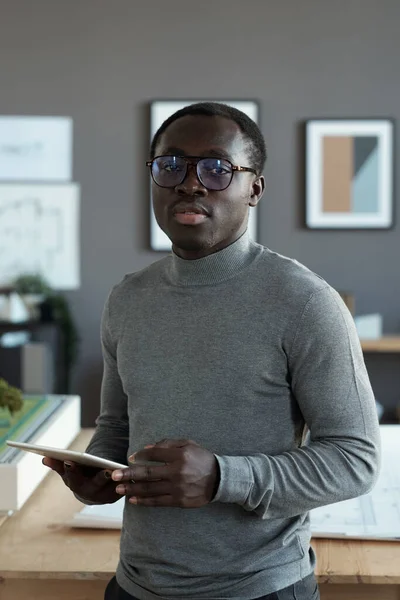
x=35, y=149
x=349, y=173
x=160, y=110
x=39, y=233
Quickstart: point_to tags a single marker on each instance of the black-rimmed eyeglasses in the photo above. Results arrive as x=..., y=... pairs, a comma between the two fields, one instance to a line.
x=213, y=173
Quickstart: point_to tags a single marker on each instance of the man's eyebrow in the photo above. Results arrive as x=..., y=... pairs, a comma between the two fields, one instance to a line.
x=214, y=152
x=171, y=150
x=219, y=153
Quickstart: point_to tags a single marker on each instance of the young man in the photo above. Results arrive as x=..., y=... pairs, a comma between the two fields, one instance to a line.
x=216, y=358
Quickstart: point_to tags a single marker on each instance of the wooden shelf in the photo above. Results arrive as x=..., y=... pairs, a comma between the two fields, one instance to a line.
x=383, y=344
x=6, y=326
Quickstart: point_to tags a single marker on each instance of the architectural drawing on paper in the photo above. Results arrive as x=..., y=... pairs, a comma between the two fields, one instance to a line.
x=375, y=515
x=39, y=233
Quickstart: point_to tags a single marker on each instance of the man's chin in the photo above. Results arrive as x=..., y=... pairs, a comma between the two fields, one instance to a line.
x=191, y=240
x=190, y=244
x=193, y=247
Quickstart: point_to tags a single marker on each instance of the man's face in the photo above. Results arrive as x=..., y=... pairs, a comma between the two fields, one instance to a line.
x=224, y=214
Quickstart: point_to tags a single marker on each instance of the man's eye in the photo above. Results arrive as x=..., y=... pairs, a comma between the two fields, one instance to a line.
x=171, y=168
x=218, y=171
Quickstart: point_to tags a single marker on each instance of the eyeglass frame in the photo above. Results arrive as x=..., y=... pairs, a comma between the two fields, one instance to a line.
x=194, y=161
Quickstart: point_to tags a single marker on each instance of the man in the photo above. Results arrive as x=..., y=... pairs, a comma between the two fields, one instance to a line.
x=215, y=360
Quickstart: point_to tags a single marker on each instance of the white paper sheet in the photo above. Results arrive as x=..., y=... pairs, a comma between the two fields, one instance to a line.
x=35, y=148
x=39, y=233
x=375, y=515
x=100, y=516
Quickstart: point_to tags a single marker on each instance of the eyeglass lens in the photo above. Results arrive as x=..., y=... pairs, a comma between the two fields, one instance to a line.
x=213, y=173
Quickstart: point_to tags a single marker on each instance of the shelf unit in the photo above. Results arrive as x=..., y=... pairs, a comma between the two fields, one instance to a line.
x=388, y=344
x=47, y=333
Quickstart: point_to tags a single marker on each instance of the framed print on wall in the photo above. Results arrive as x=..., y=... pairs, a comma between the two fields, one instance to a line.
x=160, y=110
x=349, y=173
x=35, y=149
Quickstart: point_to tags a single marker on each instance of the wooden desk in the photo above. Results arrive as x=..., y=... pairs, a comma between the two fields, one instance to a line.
x=43, y=559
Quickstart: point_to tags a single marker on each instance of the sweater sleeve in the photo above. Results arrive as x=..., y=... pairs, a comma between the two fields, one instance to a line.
x=341, y=459
x=111, y=437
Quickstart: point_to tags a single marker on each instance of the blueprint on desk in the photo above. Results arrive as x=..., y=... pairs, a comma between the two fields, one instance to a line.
x=375, y=515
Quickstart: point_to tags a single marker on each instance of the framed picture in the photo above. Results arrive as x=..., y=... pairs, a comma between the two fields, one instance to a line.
x=39, y=233
x=160, y=110
x=349, y=173
x=35, y=149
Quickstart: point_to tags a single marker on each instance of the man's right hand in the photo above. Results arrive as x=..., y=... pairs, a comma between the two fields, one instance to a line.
x=91, y=484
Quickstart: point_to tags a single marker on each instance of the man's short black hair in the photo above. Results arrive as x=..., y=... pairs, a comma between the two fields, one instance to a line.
x=258, y=152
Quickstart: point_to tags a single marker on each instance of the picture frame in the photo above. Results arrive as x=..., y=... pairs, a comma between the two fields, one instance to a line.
x=160, y=110
x=39, y=233
x=349, y=173
x=36, y=149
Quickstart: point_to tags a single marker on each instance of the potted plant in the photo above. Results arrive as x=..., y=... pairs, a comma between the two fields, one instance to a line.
x=55, y=308
x=49, y=306
x=11, y=401
x=33, y=289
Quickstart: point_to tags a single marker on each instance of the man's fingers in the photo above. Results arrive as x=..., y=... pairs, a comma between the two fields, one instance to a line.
x=150, y=452
x=158, y=454
x=73, y=475
x=102, y=477
x=163, y=455
x=153, y=501
x=69, y=471
x=144, y=489
x=55, y=465
x=143, y=473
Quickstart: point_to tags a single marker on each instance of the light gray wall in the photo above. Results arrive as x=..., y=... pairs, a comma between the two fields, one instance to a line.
x=102, y=61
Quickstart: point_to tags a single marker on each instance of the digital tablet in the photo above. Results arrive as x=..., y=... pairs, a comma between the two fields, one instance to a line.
x=81, y=458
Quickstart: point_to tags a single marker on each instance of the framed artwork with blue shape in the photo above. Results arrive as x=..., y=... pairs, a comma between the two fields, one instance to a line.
x=349, y=173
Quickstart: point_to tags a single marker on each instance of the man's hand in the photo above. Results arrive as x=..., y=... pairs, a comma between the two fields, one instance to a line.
x=188, y=478
x=93, y=485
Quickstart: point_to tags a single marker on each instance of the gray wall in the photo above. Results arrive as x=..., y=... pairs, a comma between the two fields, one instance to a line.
x=102, y=61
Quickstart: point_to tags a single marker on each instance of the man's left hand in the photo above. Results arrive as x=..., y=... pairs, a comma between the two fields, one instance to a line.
x=188, y=478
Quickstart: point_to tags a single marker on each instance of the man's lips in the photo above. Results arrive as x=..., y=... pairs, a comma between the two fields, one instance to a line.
x=190, y=218
x=190, y=215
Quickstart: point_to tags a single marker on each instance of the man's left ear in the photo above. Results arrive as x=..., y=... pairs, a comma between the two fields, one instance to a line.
x=257, y=190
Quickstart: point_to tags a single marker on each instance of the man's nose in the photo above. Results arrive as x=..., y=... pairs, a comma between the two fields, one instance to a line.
x=191, y=185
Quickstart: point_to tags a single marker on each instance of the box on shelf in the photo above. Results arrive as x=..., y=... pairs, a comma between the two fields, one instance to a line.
x=369, y=327
x=21, y=476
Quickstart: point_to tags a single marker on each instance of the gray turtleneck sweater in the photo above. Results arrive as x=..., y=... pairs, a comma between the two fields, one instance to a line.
x=238, y=351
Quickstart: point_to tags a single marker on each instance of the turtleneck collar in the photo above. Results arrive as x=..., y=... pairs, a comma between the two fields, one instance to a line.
x=216, y=267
